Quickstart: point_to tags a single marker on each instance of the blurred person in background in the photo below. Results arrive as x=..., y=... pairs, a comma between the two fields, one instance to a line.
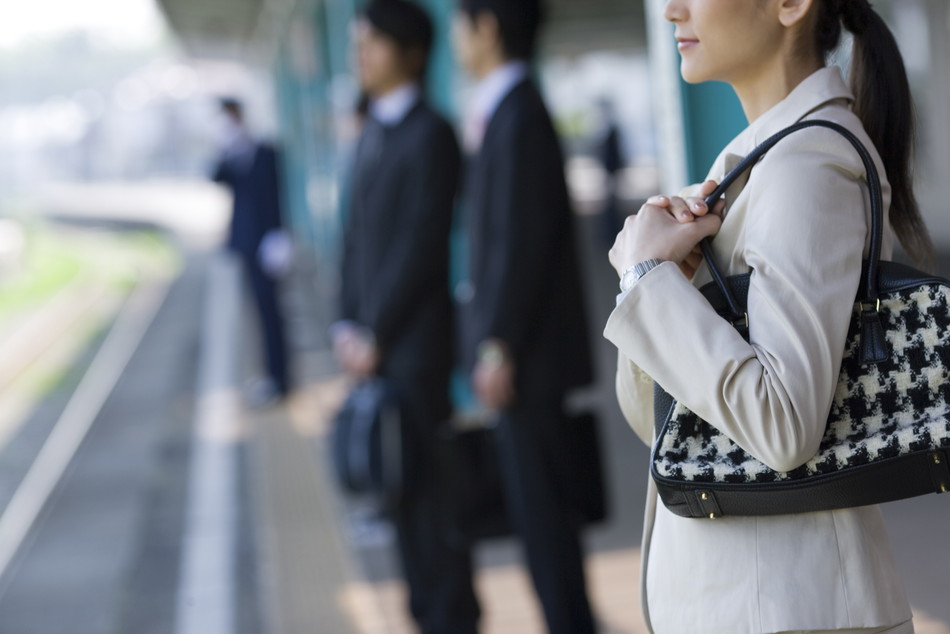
x=397, y=314
x=524, y=329
x=610, y=154
x=250, y=169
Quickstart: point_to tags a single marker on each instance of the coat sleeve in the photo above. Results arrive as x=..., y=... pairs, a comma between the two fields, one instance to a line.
x=529, y=209
x=419, y=246
x=804, y=239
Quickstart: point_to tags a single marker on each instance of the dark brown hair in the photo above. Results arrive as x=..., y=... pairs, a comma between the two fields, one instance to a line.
x=883, y=103
x=408, y=25
x=518, y=23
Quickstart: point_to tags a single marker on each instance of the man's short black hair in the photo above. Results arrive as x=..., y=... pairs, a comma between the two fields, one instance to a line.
x=232, y=106
x=518, y=23
x=406, y=23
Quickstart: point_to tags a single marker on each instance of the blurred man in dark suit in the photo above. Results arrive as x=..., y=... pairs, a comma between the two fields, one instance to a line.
x=249, y=168
x=397, y=315
x=610, y=153
x=524, y=326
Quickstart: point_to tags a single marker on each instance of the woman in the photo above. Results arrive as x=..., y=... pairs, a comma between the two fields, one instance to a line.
x=800, y=225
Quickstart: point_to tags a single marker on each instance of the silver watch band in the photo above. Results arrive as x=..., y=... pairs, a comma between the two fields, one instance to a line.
x=635, y=272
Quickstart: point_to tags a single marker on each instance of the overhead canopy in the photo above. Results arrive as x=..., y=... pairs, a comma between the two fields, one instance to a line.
x=248, y=29
x=230, y=29
x=577, y=26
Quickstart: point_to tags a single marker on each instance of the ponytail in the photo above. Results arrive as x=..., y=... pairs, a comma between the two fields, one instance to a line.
x=884, y=106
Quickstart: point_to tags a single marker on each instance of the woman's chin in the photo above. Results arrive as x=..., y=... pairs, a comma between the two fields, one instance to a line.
x=691, y=74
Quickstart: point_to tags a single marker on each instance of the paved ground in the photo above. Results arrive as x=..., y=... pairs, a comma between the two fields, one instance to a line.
x=109, y=553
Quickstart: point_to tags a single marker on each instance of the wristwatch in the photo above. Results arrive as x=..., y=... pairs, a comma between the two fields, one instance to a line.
x=635, y=272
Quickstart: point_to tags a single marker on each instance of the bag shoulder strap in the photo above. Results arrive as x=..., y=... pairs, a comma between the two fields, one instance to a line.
x=868, y=292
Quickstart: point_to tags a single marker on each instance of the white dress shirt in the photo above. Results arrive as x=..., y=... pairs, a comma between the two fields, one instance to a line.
x=392, y=108
x=489, y=94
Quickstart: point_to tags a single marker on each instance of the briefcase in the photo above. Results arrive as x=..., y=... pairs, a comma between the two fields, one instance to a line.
x=368, y=443
x=474, y=493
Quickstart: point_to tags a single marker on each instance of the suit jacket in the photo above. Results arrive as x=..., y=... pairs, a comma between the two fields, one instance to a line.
x=256, y=197
x=396, y=244
x=523, y=262
x=800, y=223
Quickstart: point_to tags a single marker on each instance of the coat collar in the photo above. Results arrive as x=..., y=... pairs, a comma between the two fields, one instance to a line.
x=493, y=89
x=490, y=93
x=818, y=89
x=822, y=87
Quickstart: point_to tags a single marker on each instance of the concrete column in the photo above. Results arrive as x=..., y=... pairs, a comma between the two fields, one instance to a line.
x=667, y=100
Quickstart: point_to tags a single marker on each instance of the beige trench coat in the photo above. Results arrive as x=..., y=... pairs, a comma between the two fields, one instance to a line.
x=800, y=223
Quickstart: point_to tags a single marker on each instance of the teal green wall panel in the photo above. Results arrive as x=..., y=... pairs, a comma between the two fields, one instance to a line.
x=312, y=117
x=712, y=116
x=442, y=62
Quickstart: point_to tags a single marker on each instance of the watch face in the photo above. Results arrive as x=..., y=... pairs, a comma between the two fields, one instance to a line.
x=629, y=277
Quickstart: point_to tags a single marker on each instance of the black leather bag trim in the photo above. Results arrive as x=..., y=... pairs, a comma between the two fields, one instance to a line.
x=898, y=478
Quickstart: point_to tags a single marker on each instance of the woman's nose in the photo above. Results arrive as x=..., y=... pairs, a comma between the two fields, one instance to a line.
x=674, y=11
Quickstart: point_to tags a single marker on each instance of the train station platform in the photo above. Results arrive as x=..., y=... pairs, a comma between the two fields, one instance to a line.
x=166, y=505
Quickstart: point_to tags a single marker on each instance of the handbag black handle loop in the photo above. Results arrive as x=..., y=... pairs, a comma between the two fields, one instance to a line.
x=868, y=292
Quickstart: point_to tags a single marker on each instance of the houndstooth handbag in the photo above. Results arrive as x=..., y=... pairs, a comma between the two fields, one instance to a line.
x=888, y=433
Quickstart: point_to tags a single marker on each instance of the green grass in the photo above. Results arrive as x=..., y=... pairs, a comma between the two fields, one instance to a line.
x=57, y=258
x=49, y=267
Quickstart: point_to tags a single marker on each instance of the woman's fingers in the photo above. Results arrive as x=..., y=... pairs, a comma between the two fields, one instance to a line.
x=706, y=226
x=697, y=206
x=719, y=207
x=684, y=210
x=708, y=188
x=656, y=232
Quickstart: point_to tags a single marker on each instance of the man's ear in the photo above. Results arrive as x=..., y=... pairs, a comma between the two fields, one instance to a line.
x=415, y=61
x=792, y=12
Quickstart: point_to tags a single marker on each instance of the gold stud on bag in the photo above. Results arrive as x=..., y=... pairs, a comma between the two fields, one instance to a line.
x=888, y=432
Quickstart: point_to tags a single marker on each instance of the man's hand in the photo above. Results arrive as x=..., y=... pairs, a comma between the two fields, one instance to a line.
x=494, y=376
x=276, y=253
x=356, y=351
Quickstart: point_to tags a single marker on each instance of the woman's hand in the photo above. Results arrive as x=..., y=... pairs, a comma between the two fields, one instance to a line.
x=668, y=228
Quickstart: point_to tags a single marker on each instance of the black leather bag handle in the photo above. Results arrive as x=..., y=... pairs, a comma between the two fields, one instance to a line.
x=868, y=292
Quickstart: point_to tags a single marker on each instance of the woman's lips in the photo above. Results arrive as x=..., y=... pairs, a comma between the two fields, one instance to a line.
x=684, y=44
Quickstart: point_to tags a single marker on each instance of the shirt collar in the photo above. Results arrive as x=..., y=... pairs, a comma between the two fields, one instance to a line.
x=392, y=108
x=493, y=89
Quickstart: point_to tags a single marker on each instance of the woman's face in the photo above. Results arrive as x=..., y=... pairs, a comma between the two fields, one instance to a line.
x=725, y=40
